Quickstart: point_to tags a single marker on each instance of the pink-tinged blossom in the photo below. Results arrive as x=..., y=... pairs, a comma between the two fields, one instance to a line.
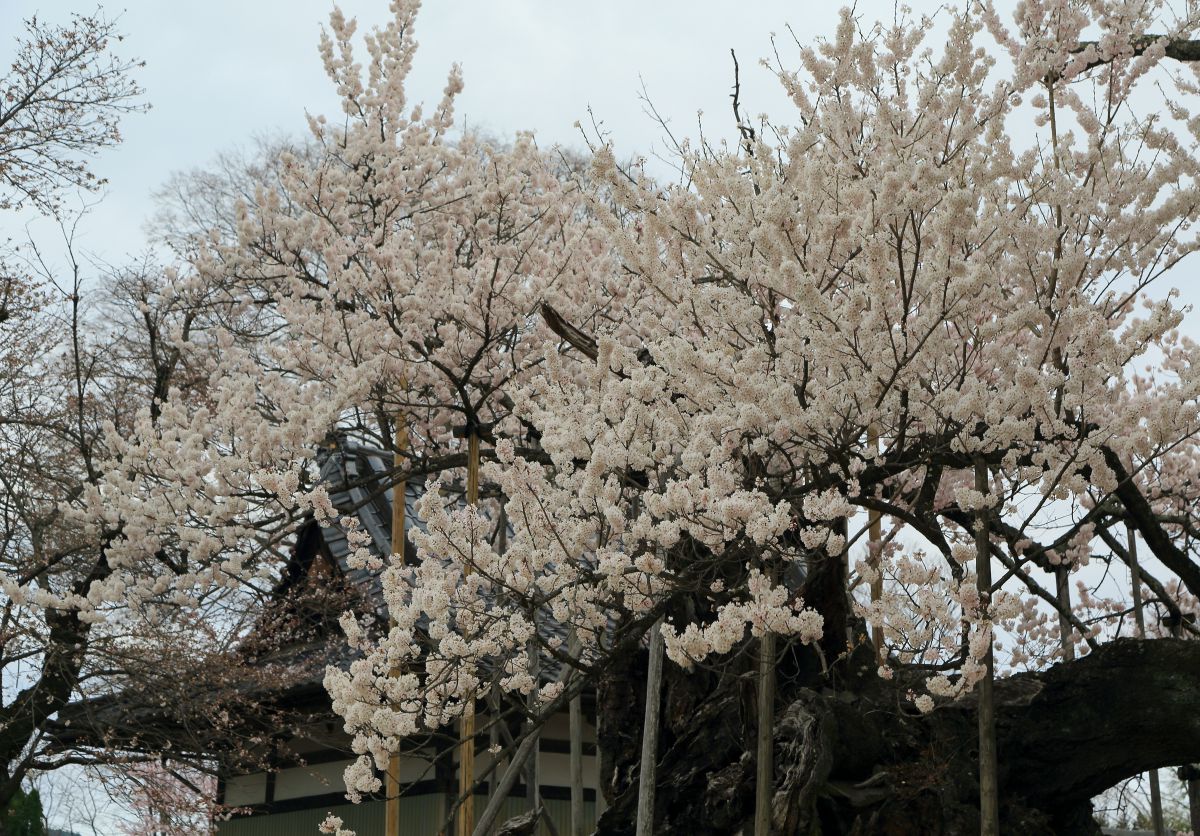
x=897, y=266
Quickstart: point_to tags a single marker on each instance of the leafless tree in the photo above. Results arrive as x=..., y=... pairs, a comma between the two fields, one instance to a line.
x=61, y=103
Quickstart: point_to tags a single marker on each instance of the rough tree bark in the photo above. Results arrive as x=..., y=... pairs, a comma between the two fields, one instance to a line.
x=859, y=760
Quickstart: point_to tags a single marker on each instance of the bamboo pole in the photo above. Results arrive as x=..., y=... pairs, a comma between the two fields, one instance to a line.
x=874, y=558
x=649, y=765
x=764, y=777
x=989, y=796
x=466, y=747
x=1139, y=618
x=399, y=501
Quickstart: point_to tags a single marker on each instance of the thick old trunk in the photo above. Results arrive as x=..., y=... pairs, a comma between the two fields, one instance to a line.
x=860, y=760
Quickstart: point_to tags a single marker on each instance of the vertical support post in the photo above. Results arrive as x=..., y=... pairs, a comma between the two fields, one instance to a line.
x=874, y=558
x=575, y=719
x=466, y=748
x=647, y=773
x=1139, y=618
x=533, y=778
x=989, y=795
x=494, y=693
x=399, y=499
x=1190, y=775
x=764, y=778
x=1062, y=583
x=494, y=736
x=1187, y=773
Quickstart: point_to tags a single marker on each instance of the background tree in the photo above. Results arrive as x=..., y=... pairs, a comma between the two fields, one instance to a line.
x=81, y=357
x=23, y=816
x=60, y=103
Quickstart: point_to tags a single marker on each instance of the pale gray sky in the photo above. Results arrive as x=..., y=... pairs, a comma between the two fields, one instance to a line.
x=219, y=72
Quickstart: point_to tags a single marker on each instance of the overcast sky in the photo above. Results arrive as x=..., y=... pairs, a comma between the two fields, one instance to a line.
x=219, y=72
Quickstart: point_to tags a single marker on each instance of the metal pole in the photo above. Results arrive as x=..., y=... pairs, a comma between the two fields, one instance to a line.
x=1062, y=583
x=533, y=779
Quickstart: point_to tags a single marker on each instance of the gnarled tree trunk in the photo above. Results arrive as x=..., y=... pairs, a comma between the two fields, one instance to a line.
x=858, y=759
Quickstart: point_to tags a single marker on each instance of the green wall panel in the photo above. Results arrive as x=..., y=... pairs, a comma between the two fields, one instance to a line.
x=365, y=819
x=419, y=816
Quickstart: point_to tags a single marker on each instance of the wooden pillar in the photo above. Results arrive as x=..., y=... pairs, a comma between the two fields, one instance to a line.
x=466, y=748
x=764, y=779
x=989, y=793
x=399, y=501
x=575, y=718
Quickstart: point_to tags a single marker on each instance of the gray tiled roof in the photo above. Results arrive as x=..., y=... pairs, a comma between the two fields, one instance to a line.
x=356, y=475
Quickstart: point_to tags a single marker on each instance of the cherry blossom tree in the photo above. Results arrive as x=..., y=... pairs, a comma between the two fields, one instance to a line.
x=898, y=266
x=933, y=300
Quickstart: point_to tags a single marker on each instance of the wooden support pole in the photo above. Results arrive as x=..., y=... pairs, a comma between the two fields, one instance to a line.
x=533, y=778
x=875, y=558
x=513, y=771
x=399, y=500
x=647, y=776
x=989, y=794
x=466, y=748
x=575, y=718
x=504, y=787
x=1139, y=618
x=1190, y=775
x=764, y=750
x=1062, y=583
